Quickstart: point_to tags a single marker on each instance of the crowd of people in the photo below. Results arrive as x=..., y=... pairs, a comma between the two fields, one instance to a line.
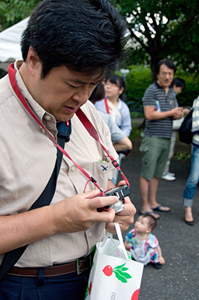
x=54, y=168
x=163, y=118
x=162, y=112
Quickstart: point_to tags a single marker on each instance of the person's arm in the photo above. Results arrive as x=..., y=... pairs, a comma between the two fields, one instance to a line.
x=152, y=114
x=127, y=245
x=126, y=126
x=118, y=138
x=124, y=144
x=28, y=227
x=186, y=111
x=161, y=258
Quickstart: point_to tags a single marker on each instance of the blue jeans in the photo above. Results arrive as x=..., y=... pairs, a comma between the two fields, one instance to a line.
x=193, y=179
x=64, y=287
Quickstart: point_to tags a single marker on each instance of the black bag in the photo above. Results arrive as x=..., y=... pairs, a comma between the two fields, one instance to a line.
x=185, y=134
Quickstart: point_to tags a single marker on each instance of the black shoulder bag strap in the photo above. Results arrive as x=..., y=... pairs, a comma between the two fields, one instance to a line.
x=11, y=257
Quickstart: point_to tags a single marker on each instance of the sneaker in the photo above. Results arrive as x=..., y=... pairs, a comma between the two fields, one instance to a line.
x=171, y=174
x=168, y=177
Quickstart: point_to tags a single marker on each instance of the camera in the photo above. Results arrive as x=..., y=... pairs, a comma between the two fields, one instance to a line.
x=120, y=192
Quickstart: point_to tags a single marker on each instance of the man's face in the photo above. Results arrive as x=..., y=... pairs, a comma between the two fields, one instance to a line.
x=165, y=76
x=62, y=91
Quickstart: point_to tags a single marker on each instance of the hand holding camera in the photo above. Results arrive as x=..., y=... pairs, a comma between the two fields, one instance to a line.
x=121, y=192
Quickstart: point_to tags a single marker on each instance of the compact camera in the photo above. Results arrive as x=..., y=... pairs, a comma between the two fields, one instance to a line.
x=120, y=192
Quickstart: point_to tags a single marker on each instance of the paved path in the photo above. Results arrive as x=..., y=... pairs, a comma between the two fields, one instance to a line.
x=179, y=277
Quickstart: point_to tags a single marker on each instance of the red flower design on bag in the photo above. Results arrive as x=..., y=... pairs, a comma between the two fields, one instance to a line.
x=90, y=287
x=120, y=272
x=135, y=295
x=108, y=270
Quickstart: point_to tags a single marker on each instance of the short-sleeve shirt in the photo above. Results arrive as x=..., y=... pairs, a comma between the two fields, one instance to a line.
x=155, y=96
x=116, y=133
x=149, y=245
x=124, y=121
x=28, y=158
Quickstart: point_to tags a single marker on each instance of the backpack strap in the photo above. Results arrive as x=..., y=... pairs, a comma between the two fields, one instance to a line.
x=11, y=257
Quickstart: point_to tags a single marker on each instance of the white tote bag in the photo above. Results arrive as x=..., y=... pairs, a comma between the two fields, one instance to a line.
x=114, y=276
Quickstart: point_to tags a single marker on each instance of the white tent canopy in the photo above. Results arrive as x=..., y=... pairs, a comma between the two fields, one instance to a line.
x=10, y=42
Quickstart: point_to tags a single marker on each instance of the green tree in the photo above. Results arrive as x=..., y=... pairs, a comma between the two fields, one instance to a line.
x=163, y=29
x=13, y=11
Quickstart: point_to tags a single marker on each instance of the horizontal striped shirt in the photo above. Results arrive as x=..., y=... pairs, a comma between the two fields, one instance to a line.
x=156, y=96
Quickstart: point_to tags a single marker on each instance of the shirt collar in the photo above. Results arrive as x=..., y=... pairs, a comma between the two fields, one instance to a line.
x=43, y=115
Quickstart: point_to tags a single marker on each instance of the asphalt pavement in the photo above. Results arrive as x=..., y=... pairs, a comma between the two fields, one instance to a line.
x=179, y=277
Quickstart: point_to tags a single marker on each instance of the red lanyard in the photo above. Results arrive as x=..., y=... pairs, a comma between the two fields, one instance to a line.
x=92, y=131
x=106, y=105
x=87, y=124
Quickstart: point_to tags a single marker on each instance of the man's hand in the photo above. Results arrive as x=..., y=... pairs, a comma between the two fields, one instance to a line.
x=79, y=212
x=125, y=217
x=72, y=214
x=177, y=112
x=151, y=114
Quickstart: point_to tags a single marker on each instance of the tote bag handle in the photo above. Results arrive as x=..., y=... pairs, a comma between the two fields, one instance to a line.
x=121, y=247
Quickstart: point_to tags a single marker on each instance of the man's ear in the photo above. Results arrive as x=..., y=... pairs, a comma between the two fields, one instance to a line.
x=33, y=61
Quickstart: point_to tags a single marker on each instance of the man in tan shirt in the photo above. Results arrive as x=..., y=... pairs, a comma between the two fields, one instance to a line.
x=66, y=48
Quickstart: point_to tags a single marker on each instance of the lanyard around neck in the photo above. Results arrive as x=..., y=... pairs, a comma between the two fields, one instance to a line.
x=87, y=124
x=92, y=131
x=106, y=105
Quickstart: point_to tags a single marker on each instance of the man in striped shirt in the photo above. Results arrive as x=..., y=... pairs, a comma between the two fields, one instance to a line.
x=160, y=108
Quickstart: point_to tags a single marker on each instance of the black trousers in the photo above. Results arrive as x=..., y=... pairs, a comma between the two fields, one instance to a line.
x=64, y=287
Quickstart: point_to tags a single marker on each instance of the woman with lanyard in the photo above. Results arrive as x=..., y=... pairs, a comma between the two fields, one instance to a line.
x=114, y=105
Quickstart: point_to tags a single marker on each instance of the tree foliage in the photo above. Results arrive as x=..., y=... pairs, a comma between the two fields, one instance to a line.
x=163, y=29
x=13, y=11
x=158, y=29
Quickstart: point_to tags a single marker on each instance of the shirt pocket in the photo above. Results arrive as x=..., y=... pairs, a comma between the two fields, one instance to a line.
x=100, y=171
x=103, y=171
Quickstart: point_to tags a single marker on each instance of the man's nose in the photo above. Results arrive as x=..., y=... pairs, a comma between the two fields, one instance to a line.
x=82, y=94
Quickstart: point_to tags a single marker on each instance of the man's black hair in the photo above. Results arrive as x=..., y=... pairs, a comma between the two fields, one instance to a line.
x=178, y=82
x=84, y=35
x=168, y=62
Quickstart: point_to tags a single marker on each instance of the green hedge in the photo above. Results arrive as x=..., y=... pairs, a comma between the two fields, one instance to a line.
x=191, y=91
x=138, y=79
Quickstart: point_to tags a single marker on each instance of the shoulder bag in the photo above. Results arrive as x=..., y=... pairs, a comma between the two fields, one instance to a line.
x=185, y=134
